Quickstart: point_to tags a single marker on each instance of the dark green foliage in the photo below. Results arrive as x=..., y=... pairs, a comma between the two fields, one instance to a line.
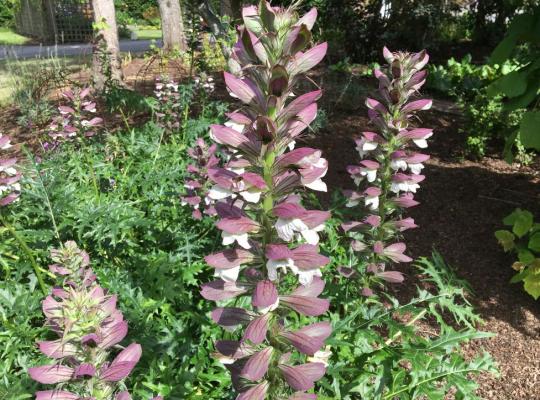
x=119, y=199
x=489, y=122
x=521, y=87
x=359, y=29
x=524, y=241
x=131, y=12
x=7, y=13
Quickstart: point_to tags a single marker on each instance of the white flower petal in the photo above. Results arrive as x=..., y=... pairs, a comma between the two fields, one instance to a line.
x=228, y=275
x=235, y=126
x=398, y=164
x=306, y=277
x=317, y=185
x=416, y=168
x=310, y=236
x=292, y=145
x=285, y=229
x=422, y=143
x=372, y=202
x=219, y=193
x=251, y=196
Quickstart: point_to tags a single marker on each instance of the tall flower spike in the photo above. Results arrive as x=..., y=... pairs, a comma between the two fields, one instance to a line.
x=88, y=326
x=389, y=171
x=10, y=188
x=273, y=260
x=198, y=186
x=75, y=118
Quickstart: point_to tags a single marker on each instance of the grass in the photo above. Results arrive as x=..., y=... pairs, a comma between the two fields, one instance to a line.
x=14, y=73
x=148, y=34
x=10, y=38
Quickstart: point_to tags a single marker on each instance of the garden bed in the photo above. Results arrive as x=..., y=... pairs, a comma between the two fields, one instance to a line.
x=462, y=204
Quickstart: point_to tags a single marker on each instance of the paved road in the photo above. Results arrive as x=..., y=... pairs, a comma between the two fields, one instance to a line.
x=62, y=50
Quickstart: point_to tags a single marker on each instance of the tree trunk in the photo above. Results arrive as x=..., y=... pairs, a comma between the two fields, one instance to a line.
x=232, y=9
x=106, y=52
x=172, y=25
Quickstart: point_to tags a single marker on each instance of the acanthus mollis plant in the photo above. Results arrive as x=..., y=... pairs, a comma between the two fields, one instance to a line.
x=10, y=188
x=198, y=184
x=389, y=172
x=75, y=119
x=89, y=328
x=268, y=281
x=168, y=110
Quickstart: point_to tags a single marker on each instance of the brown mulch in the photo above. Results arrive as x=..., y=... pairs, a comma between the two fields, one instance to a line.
x=462, y=205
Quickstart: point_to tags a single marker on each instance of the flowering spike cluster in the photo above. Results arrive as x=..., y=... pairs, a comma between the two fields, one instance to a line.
x=198, y=184
x=169, y=109
x=88, y=326
x=389, y=172
x=75, y=119
x=10, y=188
x=273, y=260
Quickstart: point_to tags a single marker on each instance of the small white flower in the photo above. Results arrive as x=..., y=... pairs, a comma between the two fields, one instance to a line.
x=416, y=168
x=242, y=239
x=273, y=266
x=219, y=193
x=287, y=227
x=227, y=275
x=370, y=174
x=7, y=145
x=233, y=125
x=251, y=196
x=406, y=186
x=372, y=202
x=321, y=356
x=364, y=146
x=311, y=236
x=422, y=143
x=317, y=185
x=224, y=359
x=306, y=277
x=398, y=164
x=11, y=171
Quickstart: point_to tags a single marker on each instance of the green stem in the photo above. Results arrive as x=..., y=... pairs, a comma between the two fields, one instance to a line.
x=27, y=251
x=400, y=332
x=47, y=200
x=268, y=202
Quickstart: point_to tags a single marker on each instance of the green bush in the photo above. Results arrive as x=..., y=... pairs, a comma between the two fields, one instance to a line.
x=524, y=241
x=489, y=122
x=119, y=199
x=521, y=87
